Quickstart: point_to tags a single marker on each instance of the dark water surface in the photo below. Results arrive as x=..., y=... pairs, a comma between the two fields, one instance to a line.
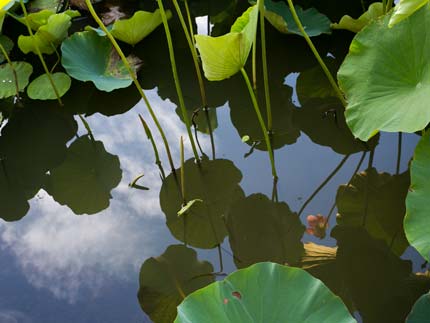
x=59, y=267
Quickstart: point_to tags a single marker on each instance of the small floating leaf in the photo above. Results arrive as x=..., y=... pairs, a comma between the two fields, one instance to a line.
x=355, y=25
x=404, y=9
x=134, y=29
x=7, y=78
x=41, y=88
x=264, y=292
x=224, y=56
x=188, y=206
x=89, y=57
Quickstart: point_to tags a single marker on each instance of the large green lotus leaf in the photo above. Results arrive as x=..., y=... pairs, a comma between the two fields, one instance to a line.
x=48, y=36
x=41, y=88
x=386, y=206
x=215, y=182
x=264, y=292
x=7, y=78
x=421, y=311
x=134, y=29
x=89, y=57
x=386, y=77
x=417, y=219
x=404, y=9
x=167, y=279
x=85, y=179
x=355, y=25
x=7, y=44
x=262, y=230
x=225, y=55
x=279, y=15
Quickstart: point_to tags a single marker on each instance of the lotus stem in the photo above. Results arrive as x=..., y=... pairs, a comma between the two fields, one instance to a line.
x=264, y=62
x=317, y=55
x=193, y=50
x=9, y=61
x=176, y=79
x=135, y=81
x=39, y=54
x=154, y=147
x=261, y=121
x=182, y=171
x=389, y=5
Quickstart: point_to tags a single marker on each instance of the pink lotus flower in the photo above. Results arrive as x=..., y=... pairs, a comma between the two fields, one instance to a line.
x=317, y=225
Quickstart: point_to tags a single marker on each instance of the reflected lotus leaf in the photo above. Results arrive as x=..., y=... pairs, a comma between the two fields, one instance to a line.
x=41, y=88
x=85, y=179
x=355, y=25
x=46, y=4
x=167, y=279
x=262, y=230
x=386, y=206
x=375, y=278
x=264, y=292
x=417, y=222
x=421, y=311
x=89, y=57
x=7, y=78
x=216, y=183
x=385, y=74
x=279, y=15
x=29, y=149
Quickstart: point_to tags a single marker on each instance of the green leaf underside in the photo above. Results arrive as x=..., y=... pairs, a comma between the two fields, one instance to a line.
x=7, y=78
x=404, y=9
x=48, y=36
x=134, y=29
x=89, y=57
x=417, y=220
x=41, y=88
x=225, y=55
x=386, y=77
x=279, y=15
x=265, y=292
x=355, y=25
x=421, y=311
x=85, y=179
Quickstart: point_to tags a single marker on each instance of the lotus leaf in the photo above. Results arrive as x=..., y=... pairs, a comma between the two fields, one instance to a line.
x=404, y=9
x=41, y=88
x=89, y=57
x=386, y=77
x=417, y=220
x=167, y=279
x=355, y=25
x=421, y=311
x=264, y=292
x=7, y=44
x=7, y=78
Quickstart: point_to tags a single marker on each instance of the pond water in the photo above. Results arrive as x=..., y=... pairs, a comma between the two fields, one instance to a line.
x=59, y=266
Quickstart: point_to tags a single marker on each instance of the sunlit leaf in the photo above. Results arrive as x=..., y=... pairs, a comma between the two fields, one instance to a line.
x=41, y=87
x=404, y=9
x=7, y=78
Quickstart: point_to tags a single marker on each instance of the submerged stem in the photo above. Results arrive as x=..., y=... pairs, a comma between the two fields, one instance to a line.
x=39, y=54
x=135, y=81
x=182, y=172
x=261, y=121
x=316, y=54
x=176, y=78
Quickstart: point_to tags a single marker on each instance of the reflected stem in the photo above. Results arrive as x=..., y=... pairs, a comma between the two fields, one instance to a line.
x=221, y=264
x=176, y=79
x=193, y=51
x=366, y=196
x=275, y=190
x=135, y=81
x=324, y=183
x=261, y=121
x=316, y=54
x=399, y=153
x=39, y=54
x=154, y=147
x=264, y=63
x=87, y=127
x=15, y=75
x=184, y=200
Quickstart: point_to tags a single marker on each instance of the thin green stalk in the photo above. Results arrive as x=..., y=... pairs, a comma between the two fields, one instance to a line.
x=389, y=5
x=193, y=50
x=9, y=61
x=261, y=121
x=384, y=6
x=154, y=147
x=264, y=62
x=316, y=54
x=183, y=172
x=24, y=10
x=254, y=64
x=176, y=78
x=135, y=81
x=190, y=22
